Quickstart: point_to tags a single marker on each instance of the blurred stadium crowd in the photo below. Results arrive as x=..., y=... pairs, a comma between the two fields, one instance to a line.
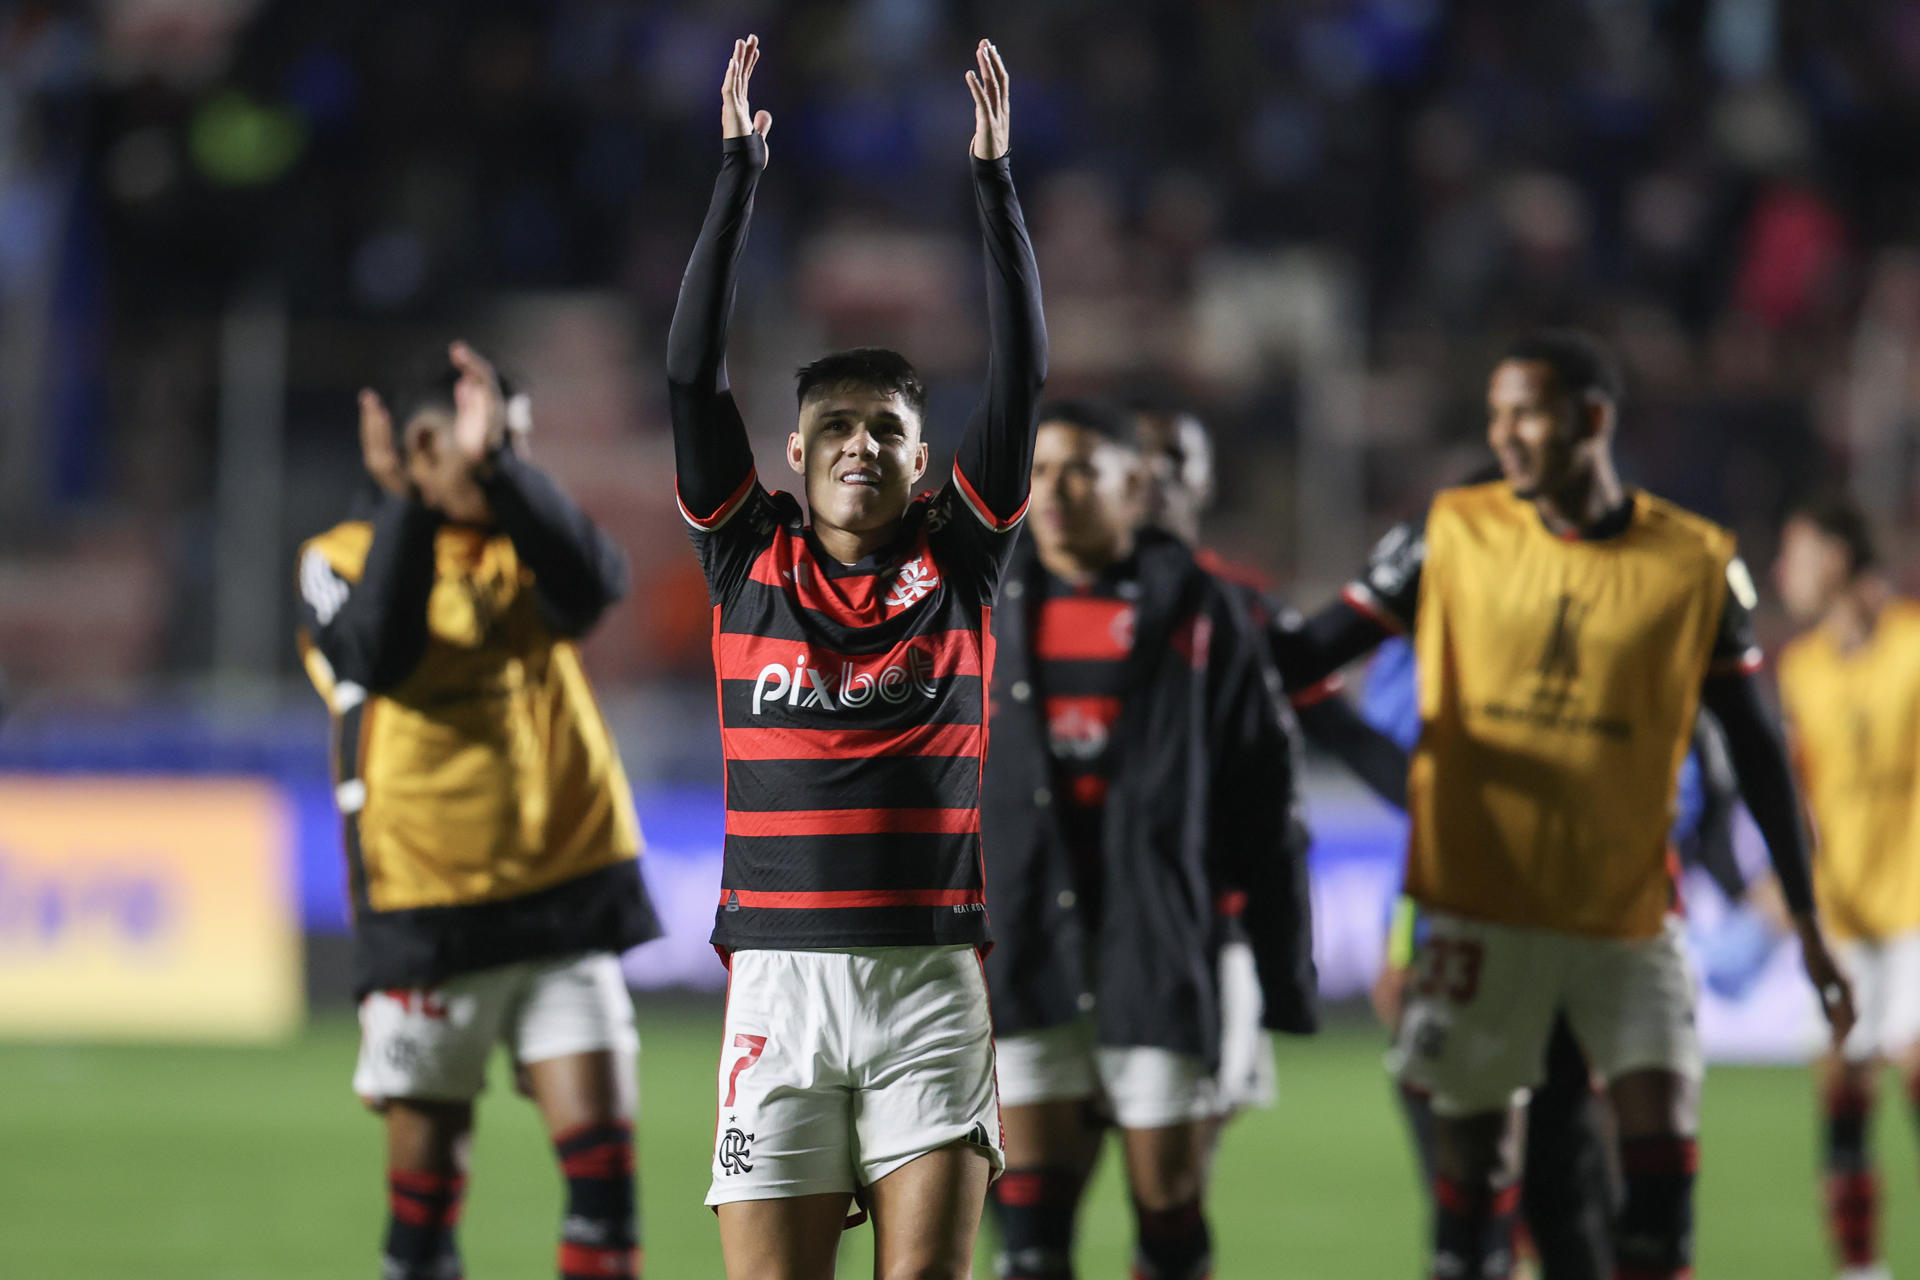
x=220, y=217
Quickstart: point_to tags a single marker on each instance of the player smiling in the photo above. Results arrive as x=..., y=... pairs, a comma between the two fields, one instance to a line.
x=857, y=1053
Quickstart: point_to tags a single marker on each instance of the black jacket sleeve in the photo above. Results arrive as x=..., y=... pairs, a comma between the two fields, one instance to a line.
x=373, y=632
x=1759, y=755
x=995, y=459
x=1254, y=803
x=578, y=572
x=712, y=458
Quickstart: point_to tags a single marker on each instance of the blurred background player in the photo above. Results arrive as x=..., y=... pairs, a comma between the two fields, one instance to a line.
x=1570, y=1189
x=1139, y=767
x=1565, y=630
x=1850, y=686
x=1177, y=456
x=851, y=655
x=491, y=842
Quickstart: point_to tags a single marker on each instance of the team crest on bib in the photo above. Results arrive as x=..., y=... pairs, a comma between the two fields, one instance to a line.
x=916, y=581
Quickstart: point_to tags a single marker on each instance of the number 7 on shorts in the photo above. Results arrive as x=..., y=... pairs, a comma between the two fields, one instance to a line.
x=753, y=1046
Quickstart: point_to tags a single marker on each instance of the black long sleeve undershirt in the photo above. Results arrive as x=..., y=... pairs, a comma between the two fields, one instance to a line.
x=578, y=571
x=995, y=457
x=380, y=632
x=1710, y=845
x=712, y=455
x=1371, y=756
x=1301, y=650
x=1326, y=642
x=1759, y=754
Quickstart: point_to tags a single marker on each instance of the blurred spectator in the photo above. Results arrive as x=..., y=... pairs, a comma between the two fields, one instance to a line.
x=1313, y=220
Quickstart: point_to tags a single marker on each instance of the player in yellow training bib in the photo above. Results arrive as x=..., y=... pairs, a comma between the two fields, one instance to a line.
x=1850, y=686
x=490, y=838
x=1566, y=629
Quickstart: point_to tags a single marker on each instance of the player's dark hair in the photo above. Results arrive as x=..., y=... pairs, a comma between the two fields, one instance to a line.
x=1582, y=365
x=1835, y=513
x=1103, y=419
x=870, y=368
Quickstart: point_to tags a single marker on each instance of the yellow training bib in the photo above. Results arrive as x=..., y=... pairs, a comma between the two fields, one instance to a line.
x=1855, y=719
x=1559, y=681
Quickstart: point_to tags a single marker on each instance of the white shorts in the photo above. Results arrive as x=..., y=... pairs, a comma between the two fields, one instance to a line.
x=1886, y=993
x=838, y=1067
x=1143, y=1086
x=1483, y=997
x=433, y=1044
x=1248, y=1077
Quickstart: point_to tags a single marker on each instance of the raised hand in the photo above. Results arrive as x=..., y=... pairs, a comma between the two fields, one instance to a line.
x=737, y=119
x=479, y=409
x=377, y=449
x=992, y=130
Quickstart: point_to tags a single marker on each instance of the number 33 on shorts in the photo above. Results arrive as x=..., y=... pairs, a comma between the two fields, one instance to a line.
x=1449, y=968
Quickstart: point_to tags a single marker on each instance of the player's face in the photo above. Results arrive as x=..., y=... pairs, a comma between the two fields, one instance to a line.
x=1810, y=570
x=1086, y=493
x=1532, y=429
x=861, y=453
x=1177, y=471
x=444, y=481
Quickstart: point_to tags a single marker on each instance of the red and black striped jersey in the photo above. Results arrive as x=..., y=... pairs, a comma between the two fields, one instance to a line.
x=1082, y=639
x=853, y=721
x=852, y=697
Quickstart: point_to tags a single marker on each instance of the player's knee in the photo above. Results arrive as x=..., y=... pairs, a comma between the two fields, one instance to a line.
x=1167, y=1167
x=1168, y=1187
x=1481, y=1151
x=955, y=1264
x=600, y=1235
x=1034, y=1210
x=1172, y=1243
x=1654, y=1234
x=1656, y=1103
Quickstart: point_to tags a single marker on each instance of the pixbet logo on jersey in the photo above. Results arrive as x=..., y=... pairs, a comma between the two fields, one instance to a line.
x=806, y=686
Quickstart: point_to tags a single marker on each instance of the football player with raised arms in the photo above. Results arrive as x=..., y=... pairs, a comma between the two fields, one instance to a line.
x=852, y=648
x=1566, y=628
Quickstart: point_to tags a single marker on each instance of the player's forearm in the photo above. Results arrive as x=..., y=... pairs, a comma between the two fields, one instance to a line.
x=996, y=455
x=1372, y=756
x=1720, y=794
x=1759, y=756
x=697, y=340
x=1324, y=643
x=380, y=633
x=577, y=569
x=711, y=451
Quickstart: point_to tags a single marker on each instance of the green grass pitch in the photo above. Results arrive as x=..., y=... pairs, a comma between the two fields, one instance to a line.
x=147, y=1163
